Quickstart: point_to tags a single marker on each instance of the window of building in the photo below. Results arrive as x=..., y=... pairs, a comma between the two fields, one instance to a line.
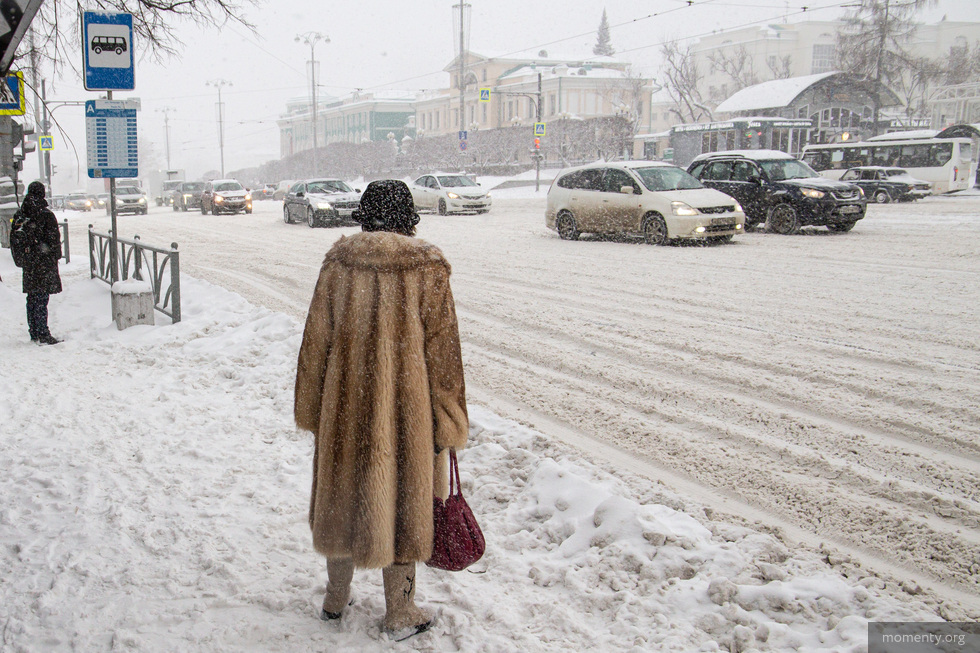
x=823, y=58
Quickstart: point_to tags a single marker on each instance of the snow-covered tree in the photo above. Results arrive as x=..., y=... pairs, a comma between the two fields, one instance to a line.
x=874, y=43
x=55, y=29
x=682, y=81
x=603, y=46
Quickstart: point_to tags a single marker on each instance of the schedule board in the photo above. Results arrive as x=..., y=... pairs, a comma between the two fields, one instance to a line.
x=110, y=132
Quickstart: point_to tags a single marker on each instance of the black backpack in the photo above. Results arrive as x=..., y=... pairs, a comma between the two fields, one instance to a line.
x=22, y=240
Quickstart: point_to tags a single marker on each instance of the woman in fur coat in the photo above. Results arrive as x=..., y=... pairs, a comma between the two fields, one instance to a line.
x=379, y=382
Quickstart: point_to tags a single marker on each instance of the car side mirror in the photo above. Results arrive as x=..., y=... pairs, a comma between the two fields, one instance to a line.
x=357, y=190
x=756, y=179
x=626, y=190
x=300, y=194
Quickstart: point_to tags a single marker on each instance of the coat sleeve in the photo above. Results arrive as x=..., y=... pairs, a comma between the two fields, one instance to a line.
x=444, y=362
x=52, y=235
x=313, y=352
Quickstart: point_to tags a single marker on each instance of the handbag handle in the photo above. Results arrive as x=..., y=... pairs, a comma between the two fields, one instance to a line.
x=454, y=475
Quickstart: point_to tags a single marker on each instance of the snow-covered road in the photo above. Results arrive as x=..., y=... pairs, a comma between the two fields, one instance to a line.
x=825, y=385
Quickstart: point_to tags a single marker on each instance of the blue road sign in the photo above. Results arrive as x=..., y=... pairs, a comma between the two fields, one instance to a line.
x=12, y=95
x=539, y=128
x=110, y=131
x=462, y=135
x=484, y=95
x=107, y=41
x=47, y=143
x=462, y=146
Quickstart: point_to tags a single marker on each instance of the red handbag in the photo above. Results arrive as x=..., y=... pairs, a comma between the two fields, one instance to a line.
x=457, y=540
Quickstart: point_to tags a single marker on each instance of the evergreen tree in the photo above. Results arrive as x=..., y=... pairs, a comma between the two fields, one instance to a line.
x=603, y=46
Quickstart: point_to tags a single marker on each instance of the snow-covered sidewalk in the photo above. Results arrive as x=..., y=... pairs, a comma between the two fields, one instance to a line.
x=155, y=495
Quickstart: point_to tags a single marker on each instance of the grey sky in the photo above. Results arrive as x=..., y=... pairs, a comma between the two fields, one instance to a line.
x=381, y=44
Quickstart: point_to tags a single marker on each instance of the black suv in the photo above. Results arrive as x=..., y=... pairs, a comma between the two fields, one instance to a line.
x=783, y=192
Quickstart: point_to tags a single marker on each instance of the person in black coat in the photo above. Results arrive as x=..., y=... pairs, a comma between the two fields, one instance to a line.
x=41, y=279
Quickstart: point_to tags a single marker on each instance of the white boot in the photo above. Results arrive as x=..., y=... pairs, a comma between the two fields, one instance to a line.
x=340, y=571
x=402, y=617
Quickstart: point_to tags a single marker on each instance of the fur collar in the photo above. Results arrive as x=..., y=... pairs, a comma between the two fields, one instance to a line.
x=384, y=251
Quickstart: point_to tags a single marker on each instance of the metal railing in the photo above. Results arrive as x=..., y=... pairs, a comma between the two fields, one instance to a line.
x=65, y=245
x=133, y=256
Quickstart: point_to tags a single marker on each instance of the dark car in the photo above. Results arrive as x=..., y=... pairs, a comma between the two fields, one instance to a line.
x=887, y=184
x=263, y=192
x=187, y=195
x=225, y=196
x=321, y=201
x=781, y=191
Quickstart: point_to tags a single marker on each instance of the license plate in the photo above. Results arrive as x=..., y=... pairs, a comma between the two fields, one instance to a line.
x=850, y=209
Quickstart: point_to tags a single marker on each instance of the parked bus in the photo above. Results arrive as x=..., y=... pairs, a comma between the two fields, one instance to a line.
x=949, y=164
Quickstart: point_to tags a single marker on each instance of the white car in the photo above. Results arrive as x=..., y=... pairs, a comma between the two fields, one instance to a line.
x=658, y=200
x=129, y=199
x=449, y=193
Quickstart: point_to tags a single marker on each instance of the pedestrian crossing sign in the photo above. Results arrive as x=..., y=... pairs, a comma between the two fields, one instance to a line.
x=484, y=95
x=12, y=98
x=539, y=128
x=46, y=143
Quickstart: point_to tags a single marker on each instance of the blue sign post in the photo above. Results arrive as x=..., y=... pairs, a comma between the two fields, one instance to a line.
x=110, y=130
x=107, y=41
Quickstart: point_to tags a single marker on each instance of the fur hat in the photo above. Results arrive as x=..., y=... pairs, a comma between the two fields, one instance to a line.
x=35, y=189
x=387, y=205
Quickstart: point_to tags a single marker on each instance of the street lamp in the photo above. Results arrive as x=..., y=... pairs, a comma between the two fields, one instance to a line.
x=311, y=39
x=218, y=83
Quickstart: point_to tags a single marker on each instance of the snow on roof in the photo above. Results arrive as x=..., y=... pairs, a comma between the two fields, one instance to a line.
x=905, y=136
x=755, y=155
x=563, y=70
x=770, y=95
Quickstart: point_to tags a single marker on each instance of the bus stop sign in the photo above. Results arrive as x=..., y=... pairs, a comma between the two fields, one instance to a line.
x=107, y=41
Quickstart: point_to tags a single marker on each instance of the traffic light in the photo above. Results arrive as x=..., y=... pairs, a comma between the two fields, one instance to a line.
x=20, y=133
x=537, y=143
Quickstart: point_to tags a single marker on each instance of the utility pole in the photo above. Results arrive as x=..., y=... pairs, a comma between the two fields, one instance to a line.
x=166, y=129
x=311, y=39
x=462, y=64
x=537, y=152
x=218, y=83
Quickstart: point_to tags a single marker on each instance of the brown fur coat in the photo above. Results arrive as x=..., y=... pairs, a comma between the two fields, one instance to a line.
x=380, y=383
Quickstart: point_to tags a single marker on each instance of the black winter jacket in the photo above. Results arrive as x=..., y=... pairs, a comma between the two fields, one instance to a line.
x=41, y=265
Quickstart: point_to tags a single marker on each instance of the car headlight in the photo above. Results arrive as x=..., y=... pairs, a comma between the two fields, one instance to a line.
x=219, y=199
x=812, y=193
x=248, y=197
x=488, y=195
x=682, y=208
x=452, y=196
x=324, y=206
x=861, y=190
x=738, y=207
x=142, y=200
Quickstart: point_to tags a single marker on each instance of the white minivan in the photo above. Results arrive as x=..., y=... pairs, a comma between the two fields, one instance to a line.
x=659, y=201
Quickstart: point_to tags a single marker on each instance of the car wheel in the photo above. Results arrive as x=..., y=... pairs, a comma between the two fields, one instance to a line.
x=311, y=218
x=183, y=207
x=285, y=216
x=841, y=226
x=214, y=209
x=442, y=207
x=176, y=208
x=144, y=211
x=655, y=230
x=566, y=227
x=783, y=220
x=248, y=211
x=882, y=197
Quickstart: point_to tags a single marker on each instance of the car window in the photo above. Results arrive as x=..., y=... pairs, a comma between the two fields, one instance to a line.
x=127, y=190
x=193, y=186
x=616, y=179
x=718, y=171
x=327, y=187
x=421, y=181
x=869, y=175
x=851, y=175
x=296, y=188
x=664, y=178
x=590, y=179
x=781, y=169
x=744, y=170
x=896, y=172
x=455, y=181
x=228, y=185
x=696, y=169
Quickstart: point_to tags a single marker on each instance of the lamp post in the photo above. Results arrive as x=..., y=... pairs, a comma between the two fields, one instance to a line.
x=218, y=83
x=311, y=39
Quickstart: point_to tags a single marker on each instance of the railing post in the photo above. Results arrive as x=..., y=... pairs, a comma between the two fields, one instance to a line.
x=91, y=252
x=137, y=259
x=174, y=283
x=66, y=249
